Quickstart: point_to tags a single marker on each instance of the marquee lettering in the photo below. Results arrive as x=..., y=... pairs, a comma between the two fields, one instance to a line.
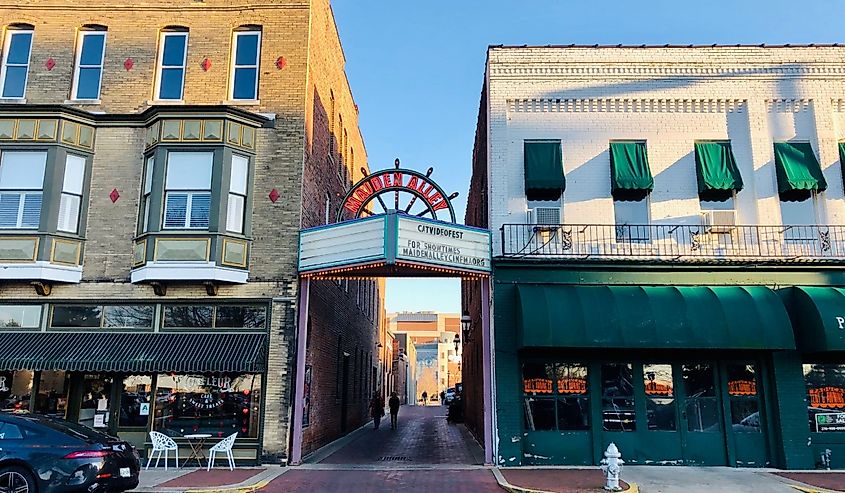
x=400, y=180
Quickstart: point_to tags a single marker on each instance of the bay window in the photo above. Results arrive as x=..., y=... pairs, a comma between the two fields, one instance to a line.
x=71, y=198
x=21, y=188
x=237, y=194
x=188, y=190
x=16, y=62
x=148, y=188
x=88, y=73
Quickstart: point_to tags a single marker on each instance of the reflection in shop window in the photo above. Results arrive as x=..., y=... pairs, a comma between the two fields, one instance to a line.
x=555, y=396
x=188, y=316
x=52, y=394
x=218, y=405
x=15, y=390
x=135, y=401
x=20, y=316
x=701, y=406
x=745, y=406
x=573, y=403
x=617, y=397
x=247, y=317
x=203, y=316
x=96, y=396
x=825, y=397
x=139, y=316
x=94, y=316
x=660, y=393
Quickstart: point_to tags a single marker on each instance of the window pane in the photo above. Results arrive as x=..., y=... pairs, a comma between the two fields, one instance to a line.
x=76, y=316
x=244, y=86
x=718, y=205
x=249, y=317
x=18, y=391
x=74, y=174
x=92, y=49
x=742, y=390
x=132, y=316
x=618, y=412
x=69, y=213
x=19, y=46
x=148, y=175
x=52, y=394
x=538, y=378
x=825, y=397
x=240, y=171
x=171, y=83
x=88, y=85
x=9, y=207
x=540, y=414
x=135, y=401
x=189, y=170
x=247, y=49
x=573, y=413
x=20, y=170
x=175, y=210
x=801, y=212
x=187, y=316
x=15, y=83
x=31, y=210
x=174, y=50
x=22, y=316
x=660, y=402
x=235, y=214
x=200, y=207
x=701, y=407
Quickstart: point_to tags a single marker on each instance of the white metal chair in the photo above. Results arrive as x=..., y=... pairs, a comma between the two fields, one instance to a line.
x=224, y=445
x=162, y=443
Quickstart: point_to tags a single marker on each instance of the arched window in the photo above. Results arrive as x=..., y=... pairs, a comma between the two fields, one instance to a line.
x=88, y=70
x=15, y=71
x=246, y=54
x=172, y=60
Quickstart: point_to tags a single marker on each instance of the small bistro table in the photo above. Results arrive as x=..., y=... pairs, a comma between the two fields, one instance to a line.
x=196, y=441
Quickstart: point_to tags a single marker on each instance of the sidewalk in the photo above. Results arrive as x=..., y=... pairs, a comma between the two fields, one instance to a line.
x=243, y=479
x=554, y=480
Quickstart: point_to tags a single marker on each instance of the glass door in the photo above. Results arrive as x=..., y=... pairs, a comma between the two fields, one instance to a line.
x=746, y=415
x=660, y=440
x=702, y=436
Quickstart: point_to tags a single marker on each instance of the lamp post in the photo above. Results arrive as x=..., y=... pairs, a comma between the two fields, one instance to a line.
x=457, y=342
x=466, y=324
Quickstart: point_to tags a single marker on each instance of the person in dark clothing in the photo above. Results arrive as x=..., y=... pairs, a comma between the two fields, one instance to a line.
x=425, y=398
x=393, y=403
x=376, y=408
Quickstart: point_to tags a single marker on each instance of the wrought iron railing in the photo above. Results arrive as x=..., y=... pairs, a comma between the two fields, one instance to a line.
x=667, y=242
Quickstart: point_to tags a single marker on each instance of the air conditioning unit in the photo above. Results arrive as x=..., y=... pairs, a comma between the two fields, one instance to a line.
x=544, y=215
x=723, y=221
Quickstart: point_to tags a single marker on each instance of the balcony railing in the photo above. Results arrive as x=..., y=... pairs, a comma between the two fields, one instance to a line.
x=674, y=243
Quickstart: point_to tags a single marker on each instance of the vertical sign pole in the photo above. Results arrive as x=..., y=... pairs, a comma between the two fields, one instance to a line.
x=487, y=365
x=299, y=385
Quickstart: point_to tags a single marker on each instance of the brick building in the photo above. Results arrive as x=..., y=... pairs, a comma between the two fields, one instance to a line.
x=157, y=161
x=668, y=254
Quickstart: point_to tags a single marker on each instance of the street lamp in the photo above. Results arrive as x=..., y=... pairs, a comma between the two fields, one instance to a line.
x=466, y=323
x=457, y=342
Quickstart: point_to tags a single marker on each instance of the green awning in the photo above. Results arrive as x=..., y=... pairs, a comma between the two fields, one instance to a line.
x=818, y=317
x=640, y=317
x=715, y=167
x=544, y=178
x=629, y=169
x=842, y=160
x=133, y=352
x=797, y=167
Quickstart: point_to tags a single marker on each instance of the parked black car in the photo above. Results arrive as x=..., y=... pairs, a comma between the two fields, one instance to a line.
x=45, y=455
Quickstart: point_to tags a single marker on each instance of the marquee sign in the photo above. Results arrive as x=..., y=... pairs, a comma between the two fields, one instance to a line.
x=397, y=189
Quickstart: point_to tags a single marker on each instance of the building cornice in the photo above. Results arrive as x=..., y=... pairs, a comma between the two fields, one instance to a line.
x=507, y=69
x=140, y=119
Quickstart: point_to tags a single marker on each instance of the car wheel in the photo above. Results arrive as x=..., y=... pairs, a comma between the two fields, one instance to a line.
x=15, y=479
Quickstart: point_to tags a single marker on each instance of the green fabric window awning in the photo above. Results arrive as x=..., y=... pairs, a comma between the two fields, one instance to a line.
x=818, y=317
x=133, y=352
x=629, y=170
x=544, y=179
x=798, y=168
x=716, y=168
x=641, y=317
x=842, y=160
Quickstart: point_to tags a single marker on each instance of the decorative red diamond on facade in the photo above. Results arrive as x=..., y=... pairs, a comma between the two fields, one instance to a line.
x=128, y=64
x=281, y=62
x=114, y=195
x=206, y=65
x=274, y=195
x=50, y=64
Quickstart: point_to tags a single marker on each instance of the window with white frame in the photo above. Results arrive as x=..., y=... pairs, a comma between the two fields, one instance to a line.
x=71, y=199
x=631, y=217
x=187, y=196
x=21, y=188
x=88, y=74
x=148, y=188
x=246, y=49
x=172, y=59
x=16, y=62
x=237, y=194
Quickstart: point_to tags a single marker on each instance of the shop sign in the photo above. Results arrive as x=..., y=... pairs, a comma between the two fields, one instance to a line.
x=830, y=422
x=144, y=409
x=827, y=397
x=538, y=386
x=443, y=244
x=420, y=186
x=742, y=387
x=657, y=388
x=572, y=386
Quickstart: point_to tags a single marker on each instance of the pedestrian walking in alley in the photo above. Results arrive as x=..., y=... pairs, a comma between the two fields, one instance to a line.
x=425, y=398
x=393, y=404
x=377, y=408
x=442, y=398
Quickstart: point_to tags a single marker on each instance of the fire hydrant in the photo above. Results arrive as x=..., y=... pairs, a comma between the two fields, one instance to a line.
x=611, y=466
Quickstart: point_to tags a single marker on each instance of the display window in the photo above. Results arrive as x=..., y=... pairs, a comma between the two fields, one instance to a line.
x=825, y=397
x=555, y=397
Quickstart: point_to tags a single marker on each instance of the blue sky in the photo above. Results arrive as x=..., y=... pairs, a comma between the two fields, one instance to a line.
x=416, y=69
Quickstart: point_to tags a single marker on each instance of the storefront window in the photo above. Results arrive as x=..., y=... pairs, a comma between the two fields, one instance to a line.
x=96, y=395
x=247, y=317
x=95, y=316
x=203, y=316
x=701, y=407
x=135, y=401
x=218, y=405
x=15, y=390
x=555, y=397
x=538, y=380
x=20, y=316
x=617, y=391
x=52, y=394
x=825, y=397
x=742, y=391
x=660, y=397
x=573, y=403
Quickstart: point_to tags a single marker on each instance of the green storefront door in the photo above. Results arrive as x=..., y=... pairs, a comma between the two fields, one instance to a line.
x=701, y=424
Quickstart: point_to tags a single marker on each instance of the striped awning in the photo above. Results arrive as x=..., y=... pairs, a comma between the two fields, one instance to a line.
x=133, y=352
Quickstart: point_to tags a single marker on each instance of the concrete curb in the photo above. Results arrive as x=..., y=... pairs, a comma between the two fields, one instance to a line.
x=504, y=484
x=812, y=489
x=263, y=479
